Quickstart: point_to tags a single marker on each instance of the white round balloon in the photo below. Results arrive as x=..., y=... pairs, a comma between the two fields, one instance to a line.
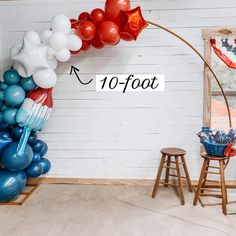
x=58, y=41
x=45, y=78
x=45, y=35
x=74, y=42
x=20, y=69
x=32, y=37
x=52, y=63
x=63, y=55
x=61, y=23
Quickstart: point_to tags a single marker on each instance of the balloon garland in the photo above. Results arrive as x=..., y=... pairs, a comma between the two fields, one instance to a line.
x=26, y=91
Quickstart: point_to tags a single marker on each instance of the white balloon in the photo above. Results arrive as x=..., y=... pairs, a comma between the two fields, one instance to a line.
x=15, y=50
x=61, y=23
x=45, y=35
x=45, y=78
x=32, y=37
x=58, y=41
x=74, y=42
x=52, y=63
x=63, y=55
x=20, y=69
x=50, y=52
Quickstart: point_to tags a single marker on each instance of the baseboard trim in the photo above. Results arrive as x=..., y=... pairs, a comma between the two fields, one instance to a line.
x=113, y=182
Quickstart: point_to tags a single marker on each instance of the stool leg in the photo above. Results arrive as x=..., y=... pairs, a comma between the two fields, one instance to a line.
x=167, y=171
x=158, y=176
x=205, y=177
x=181, y=194
x=187, y=174
x=200, y=181
x=223, y=188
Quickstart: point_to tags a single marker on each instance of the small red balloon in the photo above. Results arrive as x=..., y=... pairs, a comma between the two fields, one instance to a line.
x=126, y=36
x=86, y=30
x=74, y=52
x=85, y=45
x=113, y=8
x=74, y=23
x=96, y=42
x=108, y=33
x=84, y=16
x=98, y=16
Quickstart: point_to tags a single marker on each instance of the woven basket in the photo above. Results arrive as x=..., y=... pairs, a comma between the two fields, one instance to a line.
x=214, y=149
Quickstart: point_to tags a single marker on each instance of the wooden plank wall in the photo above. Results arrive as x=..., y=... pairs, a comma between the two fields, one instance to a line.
x=114, y=135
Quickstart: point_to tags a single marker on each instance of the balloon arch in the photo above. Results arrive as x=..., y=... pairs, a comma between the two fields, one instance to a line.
x=26, y=92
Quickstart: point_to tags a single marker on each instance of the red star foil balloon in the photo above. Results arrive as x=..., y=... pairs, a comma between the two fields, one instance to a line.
x=132, y=23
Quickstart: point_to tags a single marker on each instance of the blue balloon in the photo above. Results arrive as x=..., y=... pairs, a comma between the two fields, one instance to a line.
x=5, y=139
x=9, y=116
x=14, y=95
x=1, y=116
x=32, y=138
x=44, y=150
x=28, y=84
x=45, y=164
x=11, y=161
x=36, y=157
x=17, y=132
x=3, y=86
x=34, y=170
x=11, y=77
x=2, y=97
x=4, y=107
x=11, y=185
x=3, y=125
x=38, y=145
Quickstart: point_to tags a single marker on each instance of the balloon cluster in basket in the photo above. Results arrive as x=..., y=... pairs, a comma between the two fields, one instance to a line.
x=26, y=90
x=218, y=142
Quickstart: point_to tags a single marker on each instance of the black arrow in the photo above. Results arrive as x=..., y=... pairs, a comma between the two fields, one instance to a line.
x=76, y=70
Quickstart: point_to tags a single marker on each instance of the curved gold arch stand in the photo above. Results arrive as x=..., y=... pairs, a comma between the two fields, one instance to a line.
x=203, y=59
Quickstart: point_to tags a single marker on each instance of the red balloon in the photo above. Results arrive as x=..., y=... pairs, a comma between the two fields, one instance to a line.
x=96, y=42
x=84, y=16
x=86, y=30
x=74, y=52
x=74, y=23
x=108, y=33
x=85, y=45
x=98, y=16
x=113, y=8
x=126, y=36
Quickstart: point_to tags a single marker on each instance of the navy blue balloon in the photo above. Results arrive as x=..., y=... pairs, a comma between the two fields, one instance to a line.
x=5, y=139
x=17, y=132
x=44, y=150
x=11, y=77
x=11, y=161
x=32, y=138
x=36, y=157
x=3, y=125
x=11, y=185
x=38, y=145
x=34, y=170
x=45, y=164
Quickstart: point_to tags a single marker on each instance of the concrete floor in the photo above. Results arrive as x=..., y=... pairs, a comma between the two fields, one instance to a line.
x=75, y=210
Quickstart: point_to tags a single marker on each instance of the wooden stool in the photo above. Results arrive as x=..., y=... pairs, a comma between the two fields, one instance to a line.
x=167, y=154
x=202, y=187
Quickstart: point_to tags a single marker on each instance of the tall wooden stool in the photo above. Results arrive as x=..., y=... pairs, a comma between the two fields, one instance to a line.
x=203, y=191
x=178, y=155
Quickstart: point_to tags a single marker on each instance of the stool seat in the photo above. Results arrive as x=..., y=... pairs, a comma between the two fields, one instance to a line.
x=173, y=151
x=172, y=158
x=216, y=158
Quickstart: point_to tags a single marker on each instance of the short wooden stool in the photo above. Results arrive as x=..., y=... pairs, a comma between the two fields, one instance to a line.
x=202, y=188
x=178, y=155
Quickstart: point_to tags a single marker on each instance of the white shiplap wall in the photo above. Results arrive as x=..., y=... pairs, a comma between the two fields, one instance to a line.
x=114, y=135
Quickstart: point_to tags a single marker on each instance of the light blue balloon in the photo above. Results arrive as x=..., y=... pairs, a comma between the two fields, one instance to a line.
x=11, y=185
x=2, y=95
x=9, y=115
x=28, y=84
x=11, y=77
x=3, y=86
x=14, y=95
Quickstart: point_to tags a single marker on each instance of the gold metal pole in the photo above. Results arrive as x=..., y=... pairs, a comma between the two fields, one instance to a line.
x=203, y=59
